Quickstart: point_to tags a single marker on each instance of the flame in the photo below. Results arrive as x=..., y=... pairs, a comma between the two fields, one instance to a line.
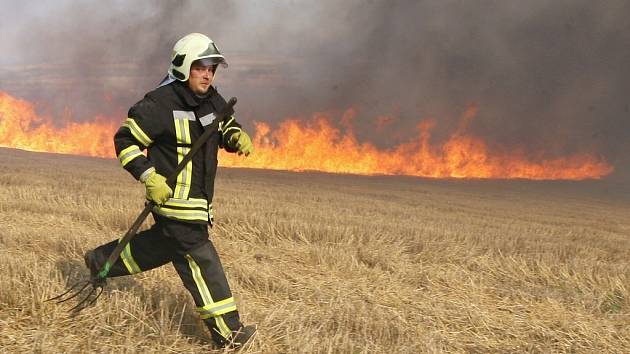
x=317, y=144
x=320, y=146
x=22, y=128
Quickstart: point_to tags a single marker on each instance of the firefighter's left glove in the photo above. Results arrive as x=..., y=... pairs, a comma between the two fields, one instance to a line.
x=157, y=189
x=242, y=142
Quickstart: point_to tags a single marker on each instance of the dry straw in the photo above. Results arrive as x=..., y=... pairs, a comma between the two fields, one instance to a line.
x=326, y=264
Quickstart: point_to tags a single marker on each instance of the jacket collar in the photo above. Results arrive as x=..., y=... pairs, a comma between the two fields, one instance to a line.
x=185, y=93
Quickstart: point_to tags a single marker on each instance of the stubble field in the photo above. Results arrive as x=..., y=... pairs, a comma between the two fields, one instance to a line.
x=326, y=264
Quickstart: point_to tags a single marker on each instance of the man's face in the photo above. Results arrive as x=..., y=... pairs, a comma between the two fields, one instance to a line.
x=200, y=77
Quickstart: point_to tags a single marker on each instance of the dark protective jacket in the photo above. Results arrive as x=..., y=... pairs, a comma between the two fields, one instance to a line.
x=166, y=122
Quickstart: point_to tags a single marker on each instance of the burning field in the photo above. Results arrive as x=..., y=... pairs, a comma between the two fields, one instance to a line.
x=327, y=263
x=425, y=177
x=319, y=144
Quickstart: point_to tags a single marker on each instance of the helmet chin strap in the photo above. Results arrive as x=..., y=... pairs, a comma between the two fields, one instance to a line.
x=170, y=78
x=214, y=73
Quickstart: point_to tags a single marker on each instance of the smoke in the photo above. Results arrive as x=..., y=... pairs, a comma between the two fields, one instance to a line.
x=545, y=75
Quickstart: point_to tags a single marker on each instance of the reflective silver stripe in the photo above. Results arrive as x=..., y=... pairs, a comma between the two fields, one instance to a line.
x=182, y=134
x=207, y=119
x=190, y=203
x=185, y=176
x=183, y=180
x=206, y=297
x=128, y=154
x=217, y=310
x=128, y=261
x=183, y=137
x=199, y=215
x=187, y=115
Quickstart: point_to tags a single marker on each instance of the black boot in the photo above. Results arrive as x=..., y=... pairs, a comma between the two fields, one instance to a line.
x=90, y=262
x=241, y=337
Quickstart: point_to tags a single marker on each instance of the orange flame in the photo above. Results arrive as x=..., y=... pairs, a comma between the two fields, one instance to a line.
x=318, y=145
x=22, y=128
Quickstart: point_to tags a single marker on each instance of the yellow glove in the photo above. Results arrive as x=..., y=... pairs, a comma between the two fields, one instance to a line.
x=157, y=189
x=242, y=142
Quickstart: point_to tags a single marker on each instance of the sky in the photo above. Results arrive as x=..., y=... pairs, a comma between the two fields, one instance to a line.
x=549, y=76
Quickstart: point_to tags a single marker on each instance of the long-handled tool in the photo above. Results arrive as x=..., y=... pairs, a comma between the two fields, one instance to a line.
x=98, y=282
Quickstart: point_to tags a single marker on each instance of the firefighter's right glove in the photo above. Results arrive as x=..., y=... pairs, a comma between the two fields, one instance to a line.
x=157, y=189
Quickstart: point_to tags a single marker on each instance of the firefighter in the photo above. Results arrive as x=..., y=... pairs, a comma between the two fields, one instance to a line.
x=166, y=123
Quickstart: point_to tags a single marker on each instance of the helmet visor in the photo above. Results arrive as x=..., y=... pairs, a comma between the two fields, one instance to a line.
x=213, y=60
x=212, y=56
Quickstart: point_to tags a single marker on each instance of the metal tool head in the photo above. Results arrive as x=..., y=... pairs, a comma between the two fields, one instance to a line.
x=95, y=287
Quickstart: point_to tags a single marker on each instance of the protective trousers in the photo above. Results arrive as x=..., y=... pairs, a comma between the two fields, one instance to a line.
x=187, y=246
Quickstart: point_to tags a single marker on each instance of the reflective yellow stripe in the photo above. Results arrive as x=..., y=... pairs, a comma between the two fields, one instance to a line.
x=182, y=186
x=182, y=133
x=201, y=284
x=130, y=263
x=198, y=215
x=206, y=297
x=225, y=127
x=129, y=154
x=231, y=128
x=187, y=203
x=138, y=133
x=217, y=309
x=225, y=330
x=215, y=305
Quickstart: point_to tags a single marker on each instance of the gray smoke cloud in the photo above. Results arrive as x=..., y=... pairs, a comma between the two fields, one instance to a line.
x=546, y=75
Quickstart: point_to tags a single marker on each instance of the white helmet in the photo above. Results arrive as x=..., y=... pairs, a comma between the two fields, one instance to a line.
x=194, y=46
